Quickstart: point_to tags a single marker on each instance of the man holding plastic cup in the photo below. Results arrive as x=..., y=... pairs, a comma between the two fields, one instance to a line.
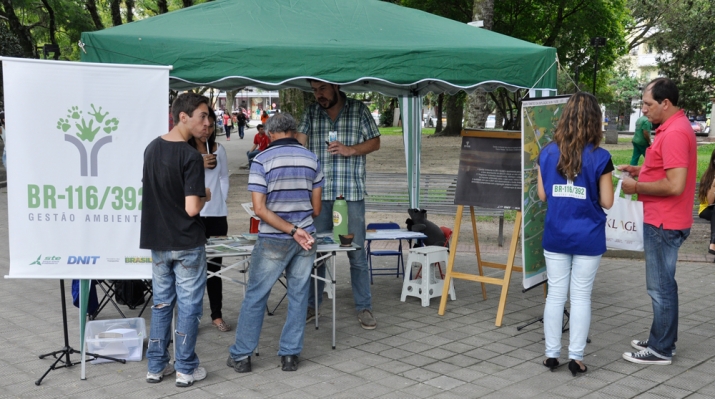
x=341, y=132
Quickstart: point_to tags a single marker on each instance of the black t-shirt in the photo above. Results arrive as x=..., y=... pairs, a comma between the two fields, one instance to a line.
x=173, y=170
x=241, y=119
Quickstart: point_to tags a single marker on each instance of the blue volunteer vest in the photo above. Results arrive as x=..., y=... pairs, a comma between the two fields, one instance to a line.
x=575, y=222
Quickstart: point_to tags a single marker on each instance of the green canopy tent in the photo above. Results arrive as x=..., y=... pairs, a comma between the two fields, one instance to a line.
x=362, y=45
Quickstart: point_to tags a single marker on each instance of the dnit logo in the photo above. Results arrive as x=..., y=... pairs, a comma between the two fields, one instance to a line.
x=82, y=260
x=86, y=131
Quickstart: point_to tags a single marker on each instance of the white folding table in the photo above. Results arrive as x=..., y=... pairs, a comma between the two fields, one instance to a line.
x=238, y=246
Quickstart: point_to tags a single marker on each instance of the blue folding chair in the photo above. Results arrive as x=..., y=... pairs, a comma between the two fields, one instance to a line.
x=399, y=269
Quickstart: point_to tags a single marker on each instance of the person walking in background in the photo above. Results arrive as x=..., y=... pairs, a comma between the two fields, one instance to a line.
x=665, y=185
x=343, y=163
x=227, y=125
x=214, y=214
x=173, y=195
x=574, y=178
x=241, y=122
x=706, y=196
x=260, y=143
x=264, y=117
x=641, y=139
x=285, y=182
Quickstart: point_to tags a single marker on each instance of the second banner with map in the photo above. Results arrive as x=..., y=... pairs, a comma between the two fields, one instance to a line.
x=540, y=118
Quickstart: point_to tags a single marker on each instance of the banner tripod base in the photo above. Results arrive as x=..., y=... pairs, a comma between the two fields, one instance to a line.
x=63, y=355
x=565, y=327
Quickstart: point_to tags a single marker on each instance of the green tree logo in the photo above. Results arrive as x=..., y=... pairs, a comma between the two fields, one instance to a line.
x=87, y=131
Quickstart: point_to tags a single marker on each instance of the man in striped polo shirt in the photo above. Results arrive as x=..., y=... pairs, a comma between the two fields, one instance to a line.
x=285, y=182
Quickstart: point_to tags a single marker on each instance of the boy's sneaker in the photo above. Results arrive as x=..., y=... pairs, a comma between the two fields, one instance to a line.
x=153, y=378
x=644, y=357
x=187, y=380
x=643, y=345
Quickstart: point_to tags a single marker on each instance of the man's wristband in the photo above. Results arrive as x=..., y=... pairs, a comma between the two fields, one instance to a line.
x=292, y=232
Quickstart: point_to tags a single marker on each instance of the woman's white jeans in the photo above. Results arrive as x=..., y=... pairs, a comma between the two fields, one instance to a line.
x=574, y=273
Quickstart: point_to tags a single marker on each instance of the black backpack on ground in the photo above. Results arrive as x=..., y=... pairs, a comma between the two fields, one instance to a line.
x=129, y=292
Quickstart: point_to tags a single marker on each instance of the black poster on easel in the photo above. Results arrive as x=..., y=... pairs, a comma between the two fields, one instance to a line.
x=490, y=173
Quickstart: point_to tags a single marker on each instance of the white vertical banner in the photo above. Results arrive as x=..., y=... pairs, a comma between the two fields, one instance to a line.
x=76, y=134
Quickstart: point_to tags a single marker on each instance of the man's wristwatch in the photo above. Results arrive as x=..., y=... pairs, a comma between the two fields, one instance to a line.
x=292, y=232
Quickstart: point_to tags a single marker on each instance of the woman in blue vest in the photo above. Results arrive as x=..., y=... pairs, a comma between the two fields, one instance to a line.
x=575, y=181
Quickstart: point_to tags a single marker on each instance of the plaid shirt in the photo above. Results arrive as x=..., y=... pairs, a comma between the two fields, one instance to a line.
x=343, y=175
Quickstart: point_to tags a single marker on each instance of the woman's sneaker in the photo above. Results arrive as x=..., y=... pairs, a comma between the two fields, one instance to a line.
x=643, y=345
x=187, y=380
x=153, y=378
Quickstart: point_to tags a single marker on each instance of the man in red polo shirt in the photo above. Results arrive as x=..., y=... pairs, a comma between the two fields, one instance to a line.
x=260, y=143
x=666, y=183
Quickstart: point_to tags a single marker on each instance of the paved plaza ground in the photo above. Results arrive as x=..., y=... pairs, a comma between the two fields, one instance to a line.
x=413, y=353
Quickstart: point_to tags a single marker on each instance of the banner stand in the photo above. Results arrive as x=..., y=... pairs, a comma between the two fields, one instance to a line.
x=67, y=350
x=508, y=267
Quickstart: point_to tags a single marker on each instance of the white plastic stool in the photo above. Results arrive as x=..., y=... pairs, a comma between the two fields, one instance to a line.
x=429, y=286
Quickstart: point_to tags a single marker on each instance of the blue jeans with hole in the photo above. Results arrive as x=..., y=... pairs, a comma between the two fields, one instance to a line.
x=661, y=255
x=269, y=259
x=572, y=276
x=178, y=278
x=359, y=272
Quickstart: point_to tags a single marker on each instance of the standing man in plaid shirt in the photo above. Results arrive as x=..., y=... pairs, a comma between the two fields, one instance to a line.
x=343, y=161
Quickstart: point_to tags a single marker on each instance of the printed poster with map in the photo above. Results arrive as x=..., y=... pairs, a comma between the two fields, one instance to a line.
x=540, y=117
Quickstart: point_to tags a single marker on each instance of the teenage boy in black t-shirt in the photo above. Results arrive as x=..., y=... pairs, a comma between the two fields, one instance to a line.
x=173, y=195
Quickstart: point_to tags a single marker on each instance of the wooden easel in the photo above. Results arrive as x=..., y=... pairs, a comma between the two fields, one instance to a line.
x=480, y=278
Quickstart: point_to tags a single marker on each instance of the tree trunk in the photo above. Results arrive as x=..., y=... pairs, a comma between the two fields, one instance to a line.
x=440, y=103
x=509, y=104
x=454, y=106
x=52, y=27
x=91, y=6
x=477, y=110
x=163, y=6
x=130, y=10
x=476, y=105
x=499, y=122
x=21, y=32
x=115, y=12
x=295, y=102
x=230, y=99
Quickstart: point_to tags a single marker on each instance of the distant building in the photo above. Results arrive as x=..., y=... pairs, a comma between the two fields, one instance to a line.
x=253, y=100
x=643, y=65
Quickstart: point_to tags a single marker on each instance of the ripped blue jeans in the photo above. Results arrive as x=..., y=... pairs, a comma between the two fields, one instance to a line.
x=178, y=277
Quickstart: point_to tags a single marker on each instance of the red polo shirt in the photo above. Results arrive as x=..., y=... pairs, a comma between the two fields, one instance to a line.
x=674, y=147
x=262, y=141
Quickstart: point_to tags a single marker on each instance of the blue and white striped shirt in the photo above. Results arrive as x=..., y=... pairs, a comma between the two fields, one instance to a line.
x=286, y=172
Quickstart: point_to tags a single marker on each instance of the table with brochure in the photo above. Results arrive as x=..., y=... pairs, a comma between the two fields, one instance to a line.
x=240, y=246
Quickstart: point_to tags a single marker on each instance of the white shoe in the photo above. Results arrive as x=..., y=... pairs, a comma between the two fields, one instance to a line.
x=153, y=378
x=187, y=380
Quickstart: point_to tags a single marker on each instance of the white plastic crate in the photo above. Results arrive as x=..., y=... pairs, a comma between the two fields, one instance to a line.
x=120, y=338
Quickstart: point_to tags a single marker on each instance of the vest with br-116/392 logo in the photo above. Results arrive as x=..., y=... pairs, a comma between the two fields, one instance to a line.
x=575, y=222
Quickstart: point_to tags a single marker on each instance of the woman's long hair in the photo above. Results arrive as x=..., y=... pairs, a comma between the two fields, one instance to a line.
x=580, y=125
x=707, y=180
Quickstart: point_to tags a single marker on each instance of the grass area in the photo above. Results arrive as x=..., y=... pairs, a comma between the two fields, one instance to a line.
x=623, y=157
x=397, y=131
